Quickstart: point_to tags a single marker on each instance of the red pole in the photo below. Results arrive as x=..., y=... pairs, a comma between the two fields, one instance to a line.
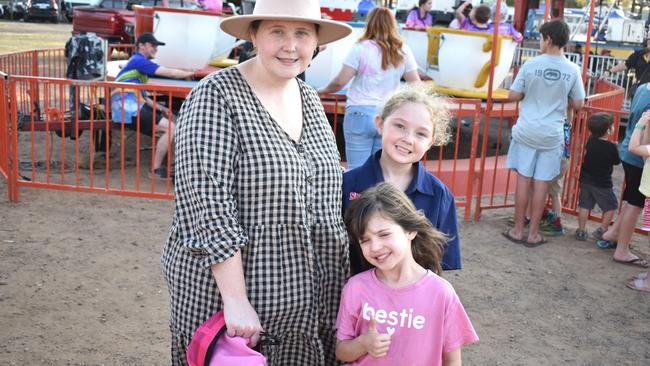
x=547, y=10
x=493, y=57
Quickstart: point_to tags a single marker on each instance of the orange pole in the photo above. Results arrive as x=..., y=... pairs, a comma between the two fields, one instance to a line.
x=590, y=27
x=547, y=10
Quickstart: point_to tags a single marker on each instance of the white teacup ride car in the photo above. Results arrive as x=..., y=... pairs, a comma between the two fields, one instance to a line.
x=459, y=62
x=192, y=38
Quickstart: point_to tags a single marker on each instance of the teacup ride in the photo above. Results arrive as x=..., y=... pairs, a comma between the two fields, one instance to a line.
x=459, y=62
x=193, y=38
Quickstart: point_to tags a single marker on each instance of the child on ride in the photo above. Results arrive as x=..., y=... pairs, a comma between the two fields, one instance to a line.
x=388, y=312
x=409, y=124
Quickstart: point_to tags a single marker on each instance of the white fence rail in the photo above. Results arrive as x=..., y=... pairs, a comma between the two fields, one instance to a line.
x=597, y=65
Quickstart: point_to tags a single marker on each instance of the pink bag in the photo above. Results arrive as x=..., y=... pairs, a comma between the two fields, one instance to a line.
x=211, y=346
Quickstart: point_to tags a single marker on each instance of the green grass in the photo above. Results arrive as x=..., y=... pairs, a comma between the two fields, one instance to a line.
x=19, y=36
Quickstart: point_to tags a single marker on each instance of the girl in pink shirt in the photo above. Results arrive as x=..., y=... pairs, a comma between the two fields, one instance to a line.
x=401, y=312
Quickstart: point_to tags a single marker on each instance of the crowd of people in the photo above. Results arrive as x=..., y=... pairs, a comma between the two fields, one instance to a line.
x=310, y=264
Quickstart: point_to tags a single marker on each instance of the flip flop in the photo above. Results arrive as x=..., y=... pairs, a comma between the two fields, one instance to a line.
x=640, y=276
x=542, y=240
x=637, y=262
x=638, y=284
x=506, y=234
x=606, y=244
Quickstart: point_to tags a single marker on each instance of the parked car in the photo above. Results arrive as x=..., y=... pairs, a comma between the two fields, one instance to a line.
x=18, y=9
x=67, y=6
x=114, y=20
x=42, y=9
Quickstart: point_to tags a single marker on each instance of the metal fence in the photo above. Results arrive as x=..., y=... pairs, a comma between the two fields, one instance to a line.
x=597, y=66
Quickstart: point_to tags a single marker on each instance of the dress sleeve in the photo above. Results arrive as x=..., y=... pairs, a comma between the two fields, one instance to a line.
x=207, y=154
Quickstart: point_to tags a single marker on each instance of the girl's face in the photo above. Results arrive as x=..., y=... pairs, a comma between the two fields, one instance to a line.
x=386, y=245
x=285, y=49
x=427, y=6
x=406, y=134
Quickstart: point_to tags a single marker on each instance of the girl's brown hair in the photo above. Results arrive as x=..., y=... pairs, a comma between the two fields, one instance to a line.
x=437, y=106
x=381, y=27
x=393, y=204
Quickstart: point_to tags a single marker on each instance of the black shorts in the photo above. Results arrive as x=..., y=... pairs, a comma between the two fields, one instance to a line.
x=631, y=194
x=591, y=195
x=146, y=118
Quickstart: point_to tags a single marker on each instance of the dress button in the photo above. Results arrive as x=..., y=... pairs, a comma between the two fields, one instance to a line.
x=300, y=148
x=310, y=179
x=309, y=207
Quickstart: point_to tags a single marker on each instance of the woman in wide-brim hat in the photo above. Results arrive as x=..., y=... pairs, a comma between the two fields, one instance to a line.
x=257, y=229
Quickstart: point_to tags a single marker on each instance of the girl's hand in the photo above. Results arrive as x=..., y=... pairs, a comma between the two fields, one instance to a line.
x=242, y=320
x=375, y=343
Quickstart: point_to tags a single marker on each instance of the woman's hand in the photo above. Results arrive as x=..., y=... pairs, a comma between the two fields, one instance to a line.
x=242, y=320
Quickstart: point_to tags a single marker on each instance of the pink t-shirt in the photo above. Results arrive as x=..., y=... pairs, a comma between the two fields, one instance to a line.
x=425, y=319
x=371, y=85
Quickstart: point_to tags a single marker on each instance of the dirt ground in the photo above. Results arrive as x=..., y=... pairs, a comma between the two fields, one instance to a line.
x=80, y=284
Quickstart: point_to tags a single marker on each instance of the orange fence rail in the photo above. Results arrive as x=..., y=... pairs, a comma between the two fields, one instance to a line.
x=58, y=134
x=4, y=138
x=500, y=182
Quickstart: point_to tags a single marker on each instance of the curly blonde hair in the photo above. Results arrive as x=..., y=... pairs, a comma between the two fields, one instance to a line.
x=437, y=106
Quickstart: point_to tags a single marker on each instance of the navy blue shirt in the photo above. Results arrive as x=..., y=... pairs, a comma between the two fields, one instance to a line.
x=428, y=194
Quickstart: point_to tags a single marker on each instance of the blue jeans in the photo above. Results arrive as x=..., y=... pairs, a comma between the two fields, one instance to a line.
x=361, y=136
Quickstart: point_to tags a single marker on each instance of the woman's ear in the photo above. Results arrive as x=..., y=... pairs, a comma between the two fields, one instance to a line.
x=379, y=123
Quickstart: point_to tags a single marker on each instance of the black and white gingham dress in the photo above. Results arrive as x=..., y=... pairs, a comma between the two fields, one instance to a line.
x=243, y=184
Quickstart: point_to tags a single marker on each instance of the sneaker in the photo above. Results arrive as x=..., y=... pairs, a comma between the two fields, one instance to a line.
x=581, y=235
x=598, y=233
x=552, y=228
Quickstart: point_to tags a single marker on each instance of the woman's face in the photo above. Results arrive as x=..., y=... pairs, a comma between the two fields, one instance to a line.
x=427, y=6
x=285, y=49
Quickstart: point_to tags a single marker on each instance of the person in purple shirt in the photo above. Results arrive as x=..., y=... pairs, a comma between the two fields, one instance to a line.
x=410, y=123
x=478, y=18
x=419, y=17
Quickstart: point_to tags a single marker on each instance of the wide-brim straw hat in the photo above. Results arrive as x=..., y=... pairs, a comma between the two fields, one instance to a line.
x=287, y=10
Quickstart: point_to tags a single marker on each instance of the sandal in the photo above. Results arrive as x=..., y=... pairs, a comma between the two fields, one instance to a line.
x=637, y=262
x=542, y=240
x=638, y=284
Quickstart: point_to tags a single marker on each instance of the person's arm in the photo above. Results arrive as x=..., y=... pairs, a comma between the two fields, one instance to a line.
x=636, y=146
x=576, y=104
x=452, y=358
x=459, y=11
x=241, y=318
x=372, y=342
x=345, y=75
x=207, y=150
x=515, y=96
x=169, y=72
x=412, y=76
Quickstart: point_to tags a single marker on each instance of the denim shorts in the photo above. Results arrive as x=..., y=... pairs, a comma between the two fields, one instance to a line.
x=360, y=133
x=543, y=165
